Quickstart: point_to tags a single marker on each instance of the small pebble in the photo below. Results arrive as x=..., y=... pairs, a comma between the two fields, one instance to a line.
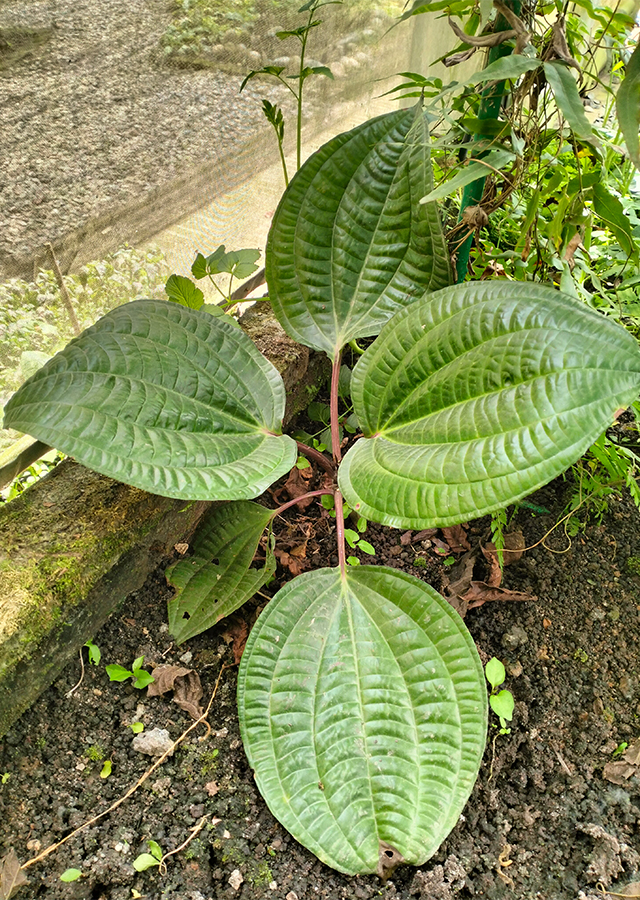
x=236, y=879
x=154, y=742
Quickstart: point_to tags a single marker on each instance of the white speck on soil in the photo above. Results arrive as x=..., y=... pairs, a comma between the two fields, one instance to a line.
x=154, y=742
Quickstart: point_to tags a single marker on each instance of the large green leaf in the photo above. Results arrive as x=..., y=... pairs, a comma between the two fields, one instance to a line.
x=611, y=211
x=565, y=91
x=350, y=243
x=217, y=579
x=165, y=398
x=471, y=172
x=476, y=396
x=363, y=713
x=628, y=107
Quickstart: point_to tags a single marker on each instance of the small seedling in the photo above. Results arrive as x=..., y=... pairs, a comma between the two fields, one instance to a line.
x=141, y=678
x=106, y=769
x=94, y=653
x=71, y=875
x=5, y=777
x=619, y=750
x=137, y=727
x=501, y=702
x=146, y=860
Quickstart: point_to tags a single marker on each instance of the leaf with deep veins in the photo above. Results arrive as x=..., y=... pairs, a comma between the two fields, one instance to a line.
x=164, y=398
x=363, y=713
x=476, y=396
x=350, y=242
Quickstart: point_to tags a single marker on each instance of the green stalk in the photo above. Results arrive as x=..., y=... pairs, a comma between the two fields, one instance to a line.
x=489, y=109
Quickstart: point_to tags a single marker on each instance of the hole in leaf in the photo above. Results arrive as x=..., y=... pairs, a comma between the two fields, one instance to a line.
x=185, y=615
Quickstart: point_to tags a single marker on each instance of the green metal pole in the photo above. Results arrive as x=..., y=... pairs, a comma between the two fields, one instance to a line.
x=489, y=109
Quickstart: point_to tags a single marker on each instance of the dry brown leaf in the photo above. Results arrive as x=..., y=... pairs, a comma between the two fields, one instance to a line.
x=12, y=878
x=405, y=538
x=424, y=535
x=619, y=771
x=236, y=633
x=484, y=40
x=572, y=246
x=632, y=753
x=480, y=592
x=560, y=46
x=185, y=684
x=442, y=548
x=456, y=537
x=458, y=582
x=211, y=788
x=456, y=58
x=297, y=484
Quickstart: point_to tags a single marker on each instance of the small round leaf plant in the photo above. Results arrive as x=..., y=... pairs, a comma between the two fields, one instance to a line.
x=362, y=700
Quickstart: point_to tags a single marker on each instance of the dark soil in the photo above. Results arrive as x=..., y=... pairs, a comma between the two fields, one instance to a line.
x=542, y=822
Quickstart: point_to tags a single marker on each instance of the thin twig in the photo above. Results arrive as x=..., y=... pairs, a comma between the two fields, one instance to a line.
x=134, y=788
x=76, y=686
x=66, y=299
x=162, y=868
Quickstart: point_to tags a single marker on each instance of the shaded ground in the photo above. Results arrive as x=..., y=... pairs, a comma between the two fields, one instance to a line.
x=542, y=821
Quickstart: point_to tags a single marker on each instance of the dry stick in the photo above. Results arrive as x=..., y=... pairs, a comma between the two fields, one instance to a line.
x=134, y=788
x=162, y=868
x=245, y=289
x=66, y=299
x=81, y=679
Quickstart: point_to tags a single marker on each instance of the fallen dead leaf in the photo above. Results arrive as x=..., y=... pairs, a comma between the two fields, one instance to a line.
x=456, y=537
x=185, y=684
x=297, y=484
x=12, y=878
x=618, y=772
x=236, y=633
x=458, y=582
x=480, y=592
x=405, y=538
x=181, y=548
x=441, y=547
x=211, y=788
x=424, y=535
x=632, y=753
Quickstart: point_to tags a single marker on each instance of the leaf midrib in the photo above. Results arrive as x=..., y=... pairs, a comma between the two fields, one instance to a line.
x=478, y=397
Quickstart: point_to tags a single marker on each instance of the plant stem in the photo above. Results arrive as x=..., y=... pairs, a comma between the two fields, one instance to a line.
x=333, y=407
x=342, y=556
x=281, y=509
x=66, y=299
x=284, y=163
x=303, y=48
x=316, y=456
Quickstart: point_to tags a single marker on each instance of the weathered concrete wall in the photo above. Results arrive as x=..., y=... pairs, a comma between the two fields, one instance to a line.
x=76, y=543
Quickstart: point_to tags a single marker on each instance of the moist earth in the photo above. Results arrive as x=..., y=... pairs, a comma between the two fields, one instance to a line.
x=542, y=821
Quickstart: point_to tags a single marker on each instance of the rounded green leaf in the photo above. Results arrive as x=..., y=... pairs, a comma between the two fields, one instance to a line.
x=503, y=704
x=166, y=399
x=219, y=577
x=350, y=242
x=363, y=713
x=476, y=396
